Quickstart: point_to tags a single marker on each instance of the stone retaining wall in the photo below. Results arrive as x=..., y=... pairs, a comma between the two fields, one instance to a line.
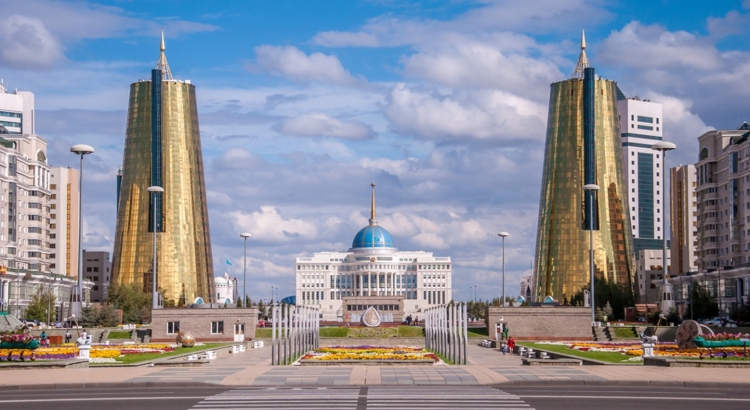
x=542, y=323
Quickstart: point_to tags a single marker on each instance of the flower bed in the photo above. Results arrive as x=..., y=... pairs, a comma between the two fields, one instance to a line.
x=338, y=353
x=70, y=351
x=661, y=349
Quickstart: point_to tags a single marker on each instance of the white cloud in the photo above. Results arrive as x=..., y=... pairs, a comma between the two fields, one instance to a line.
x=322, y=125
x=291, y=62
x=491, y=115
x=26, y=43
x=653, y=47
x=269, y=226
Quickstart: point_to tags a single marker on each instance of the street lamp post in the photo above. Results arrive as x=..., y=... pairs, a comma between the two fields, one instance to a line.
x=244, y=271
x=80, y=150
x=475, y=293
x=591, y=188
x=154, y=295
x=664, y=146
x=503, y=235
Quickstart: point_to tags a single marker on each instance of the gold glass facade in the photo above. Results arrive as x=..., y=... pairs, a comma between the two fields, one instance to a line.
x=562, y=247
x=184, y=262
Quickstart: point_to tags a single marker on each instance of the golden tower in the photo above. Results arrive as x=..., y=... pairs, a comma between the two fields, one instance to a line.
x=583, y=147
x=163, y=149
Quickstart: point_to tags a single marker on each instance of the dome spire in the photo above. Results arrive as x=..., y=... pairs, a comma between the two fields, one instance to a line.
x=583, y=62
x=166, y=73
x=373, y=217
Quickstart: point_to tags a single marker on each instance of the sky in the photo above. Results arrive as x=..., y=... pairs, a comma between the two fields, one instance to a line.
x=302, y=104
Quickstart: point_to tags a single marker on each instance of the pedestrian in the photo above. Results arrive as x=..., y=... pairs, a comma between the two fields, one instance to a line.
x=346, y=319
x=67, y=336
x=505, y=332
x=408, y=320
x=511, y=344
x=416, y=320
x=84, y=335
x=43, y=339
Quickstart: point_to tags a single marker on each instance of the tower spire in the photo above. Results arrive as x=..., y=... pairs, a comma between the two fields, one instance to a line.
x=583, y=62
x=373, y=216
x=166, y=73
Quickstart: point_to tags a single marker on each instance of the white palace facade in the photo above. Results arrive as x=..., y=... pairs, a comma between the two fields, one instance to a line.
x=373, y=273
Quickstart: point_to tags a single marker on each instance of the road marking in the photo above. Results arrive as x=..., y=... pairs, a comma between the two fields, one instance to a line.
x=557, y=396
x=28, y=400
x=369, y=397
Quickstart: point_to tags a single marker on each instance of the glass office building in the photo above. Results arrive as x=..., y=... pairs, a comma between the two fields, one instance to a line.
x=583, y=147
x=163, y=148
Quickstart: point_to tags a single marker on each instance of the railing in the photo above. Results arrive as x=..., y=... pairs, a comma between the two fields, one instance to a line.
x=294, y=331
x=447, y=332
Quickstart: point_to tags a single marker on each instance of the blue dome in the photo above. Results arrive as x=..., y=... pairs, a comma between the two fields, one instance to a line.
x=372, y=236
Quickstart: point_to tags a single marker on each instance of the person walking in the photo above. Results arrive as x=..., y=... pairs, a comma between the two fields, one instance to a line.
x=511, y=344
x=505, y=332
x=67, y=336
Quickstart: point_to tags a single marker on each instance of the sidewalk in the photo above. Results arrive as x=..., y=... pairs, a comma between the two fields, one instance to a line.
x=252, y=368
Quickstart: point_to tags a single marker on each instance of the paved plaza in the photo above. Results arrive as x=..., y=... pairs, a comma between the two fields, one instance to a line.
x=253, y=369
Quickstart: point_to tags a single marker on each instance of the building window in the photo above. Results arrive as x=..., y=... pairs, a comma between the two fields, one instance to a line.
x=649, y=120
x=173, y=328
x=217, y=327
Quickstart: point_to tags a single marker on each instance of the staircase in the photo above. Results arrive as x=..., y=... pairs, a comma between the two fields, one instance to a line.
x=601, y=334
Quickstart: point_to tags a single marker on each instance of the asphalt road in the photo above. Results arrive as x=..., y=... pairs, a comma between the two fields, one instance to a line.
x=382, y=397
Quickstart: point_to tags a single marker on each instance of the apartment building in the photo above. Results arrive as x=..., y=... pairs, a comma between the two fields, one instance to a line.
x=64, y=221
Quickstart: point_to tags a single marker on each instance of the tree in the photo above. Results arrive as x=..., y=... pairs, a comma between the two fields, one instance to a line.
x=619, y=296
x=702, y=304
x=39, y=305
x=607, y=311
x=261, y=309
x=89, y=316
x=108, y=316
x=134, y=303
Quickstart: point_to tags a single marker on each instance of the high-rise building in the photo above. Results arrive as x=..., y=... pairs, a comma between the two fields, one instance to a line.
x=683, y=213
x=641, y=126
x=723, y=206
x=16, y=111
x=64, y=221
x=163, y=149
x=583, y=147
x=649, y=276
x=96, y=268
x=373, y=273
x=29, y=230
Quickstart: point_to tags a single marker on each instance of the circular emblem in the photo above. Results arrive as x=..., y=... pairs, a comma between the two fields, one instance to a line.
x=372, y=259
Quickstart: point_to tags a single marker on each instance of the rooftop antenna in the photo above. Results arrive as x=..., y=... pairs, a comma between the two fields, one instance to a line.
x=583, y=62
x=166, y=73
x=373, y=217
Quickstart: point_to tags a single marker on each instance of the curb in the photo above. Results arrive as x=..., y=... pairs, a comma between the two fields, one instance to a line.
x=516, y=383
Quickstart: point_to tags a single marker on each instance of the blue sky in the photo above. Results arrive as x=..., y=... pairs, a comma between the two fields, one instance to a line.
x=303, y=103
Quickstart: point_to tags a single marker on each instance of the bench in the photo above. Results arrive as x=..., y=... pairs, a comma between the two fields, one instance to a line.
x=192, y=357
x=258, y=343
x=209, y=355
x=235, y=348
x=544, y=355
x=242, y=348
x=522, y=351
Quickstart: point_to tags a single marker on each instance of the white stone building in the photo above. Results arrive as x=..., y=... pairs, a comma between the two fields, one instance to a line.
x=29, y=239
x=224, y=288
x=641, y=126
x=373, y=267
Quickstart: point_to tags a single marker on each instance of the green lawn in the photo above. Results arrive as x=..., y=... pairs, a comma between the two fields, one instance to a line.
x=142, y=357
x=119, y=335
x=359, y=332
x=480, y=332
x=409, y=331
x=333, y=332
x=609, y=357
x=625, y=332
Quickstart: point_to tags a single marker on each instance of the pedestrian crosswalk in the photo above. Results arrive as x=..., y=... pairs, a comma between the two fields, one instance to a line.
x=363, y=398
